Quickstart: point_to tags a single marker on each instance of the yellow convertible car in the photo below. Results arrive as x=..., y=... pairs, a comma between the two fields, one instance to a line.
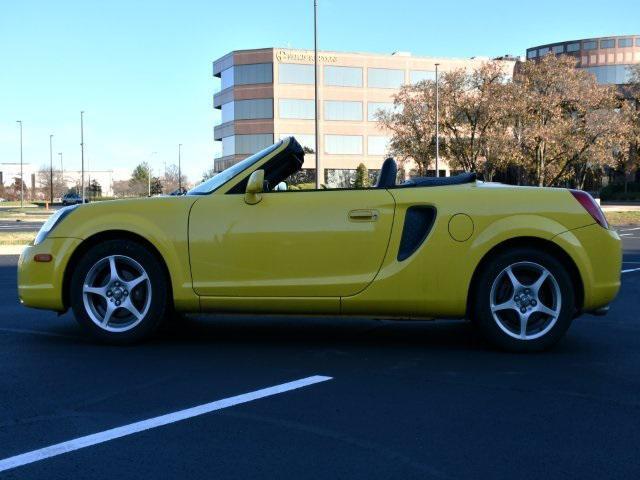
x=519, y=262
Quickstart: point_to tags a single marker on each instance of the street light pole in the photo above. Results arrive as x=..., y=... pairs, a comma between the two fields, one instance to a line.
x=180, y=168
x=51, y=167
x=61, y=168
x=82, y=150
x=437, y=124
x=21, y=179
x=315, y=85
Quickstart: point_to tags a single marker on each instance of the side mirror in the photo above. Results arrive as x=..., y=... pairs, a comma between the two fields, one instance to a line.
x=255, y=186
x=281, y=187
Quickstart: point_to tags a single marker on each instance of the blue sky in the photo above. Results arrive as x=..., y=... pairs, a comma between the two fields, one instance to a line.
x=142, y=69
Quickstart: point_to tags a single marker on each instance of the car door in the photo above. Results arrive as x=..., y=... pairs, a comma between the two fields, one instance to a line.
x=325, y=243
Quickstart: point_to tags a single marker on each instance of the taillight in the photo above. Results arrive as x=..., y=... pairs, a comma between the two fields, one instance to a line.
x=590, y=205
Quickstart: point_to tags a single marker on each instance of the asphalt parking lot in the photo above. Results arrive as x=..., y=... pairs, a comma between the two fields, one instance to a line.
x=394, y=400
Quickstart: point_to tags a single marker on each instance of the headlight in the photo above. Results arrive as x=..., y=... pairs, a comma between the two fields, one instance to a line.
x=51, y=222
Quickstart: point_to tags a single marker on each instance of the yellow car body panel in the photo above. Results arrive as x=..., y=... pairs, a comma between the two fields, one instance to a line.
x=597, y=254
x=290, y=244
x=435, y=281
x=40, y=283
x=330, y=251
x=162, y=221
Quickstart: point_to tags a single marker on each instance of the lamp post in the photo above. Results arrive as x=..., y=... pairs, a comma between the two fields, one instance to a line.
x=21, y=180
x=61, y=169
x=51, y=167
x=180, y=168
x=315, y=86
x=82, y=150
x=437, y=124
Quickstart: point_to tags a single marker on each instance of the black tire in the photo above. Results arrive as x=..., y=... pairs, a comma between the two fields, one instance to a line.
x=154, y=291
x=509, y=319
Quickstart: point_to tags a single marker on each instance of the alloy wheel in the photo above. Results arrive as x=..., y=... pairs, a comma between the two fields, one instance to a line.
x=117, y=293
x=525, y=300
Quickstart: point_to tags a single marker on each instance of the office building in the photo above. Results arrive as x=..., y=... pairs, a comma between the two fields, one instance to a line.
x=267, y=94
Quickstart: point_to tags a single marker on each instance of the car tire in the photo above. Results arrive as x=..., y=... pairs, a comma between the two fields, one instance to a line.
x=523, y=300
x=119, y=292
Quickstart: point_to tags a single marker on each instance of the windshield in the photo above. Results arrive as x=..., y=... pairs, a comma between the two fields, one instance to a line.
x=223, y=177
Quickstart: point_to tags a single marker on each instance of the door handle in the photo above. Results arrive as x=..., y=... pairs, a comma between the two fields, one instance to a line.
x=363, y=215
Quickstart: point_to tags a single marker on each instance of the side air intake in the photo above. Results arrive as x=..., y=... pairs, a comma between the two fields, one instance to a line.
x=417, y=225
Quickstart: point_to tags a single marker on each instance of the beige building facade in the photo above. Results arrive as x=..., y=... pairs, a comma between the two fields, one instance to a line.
x=267, y=94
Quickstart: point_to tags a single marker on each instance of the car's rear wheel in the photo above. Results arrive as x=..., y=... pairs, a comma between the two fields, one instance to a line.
x=119, y=292
x=524, y=300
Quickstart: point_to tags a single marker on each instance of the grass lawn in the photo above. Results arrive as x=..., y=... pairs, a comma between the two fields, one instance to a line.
x=16, y=238
x=27, y=214
x=623, y=218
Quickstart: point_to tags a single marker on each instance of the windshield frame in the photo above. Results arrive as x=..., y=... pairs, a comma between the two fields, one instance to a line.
x=234, y=171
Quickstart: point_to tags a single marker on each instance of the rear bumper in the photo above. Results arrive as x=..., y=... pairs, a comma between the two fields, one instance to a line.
x=597, y=252
x=40, y=284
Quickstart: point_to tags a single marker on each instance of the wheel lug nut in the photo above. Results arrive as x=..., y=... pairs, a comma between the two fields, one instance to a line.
x=112, y=300
x=125, y=293
x=533, y=303
x=109, y=293
x=523, y=310
x=117, y=303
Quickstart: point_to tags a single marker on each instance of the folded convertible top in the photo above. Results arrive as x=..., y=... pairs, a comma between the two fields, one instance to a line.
x=439, y=181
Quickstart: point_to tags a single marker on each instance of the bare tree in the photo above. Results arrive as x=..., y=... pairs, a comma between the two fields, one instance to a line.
x=562, y=119
x=473, y=114
x=412, y=124
x=43, y=178
x=171, y=182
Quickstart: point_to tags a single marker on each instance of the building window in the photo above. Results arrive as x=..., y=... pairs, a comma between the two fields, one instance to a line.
x=638, y=42
x=532, y=54
x=297, y=108
x=384, y=78
x=253, y=109
x=307, y=141
x=573, y=47
x=226, y=76
x=247, y=74
x=246, y=144
x=227, y=112
x=557, y=49
x=340, y=110
x=543, y=51
x=609, y=43
x=377, y=145
x=295, y=74
x=416, y=76
x=374, y=107
x=342, y=76
x=612, y=74
x=589, y=45
x=228, y=146
x=343, y=144
x=625, y=42
x=250, y=144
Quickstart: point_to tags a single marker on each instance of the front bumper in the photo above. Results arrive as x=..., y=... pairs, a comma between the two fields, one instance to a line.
x=40, y=284
x=597, y=252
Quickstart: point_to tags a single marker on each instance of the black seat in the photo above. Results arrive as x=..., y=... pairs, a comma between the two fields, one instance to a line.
x=388, y=174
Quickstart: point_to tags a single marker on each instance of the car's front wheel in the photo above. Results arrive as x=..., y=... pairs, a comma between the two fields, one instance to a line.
x=524, y=300
x=119, y=292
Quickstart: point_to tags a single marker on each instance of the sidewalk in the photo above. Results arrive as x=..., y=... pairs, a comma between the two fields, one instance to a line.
x=11, y=249
x=620, y=207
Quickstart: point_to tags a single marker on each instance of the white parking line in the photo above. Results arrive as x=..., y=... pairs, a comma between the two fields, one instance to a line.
x=114, y=433
x=631, y=270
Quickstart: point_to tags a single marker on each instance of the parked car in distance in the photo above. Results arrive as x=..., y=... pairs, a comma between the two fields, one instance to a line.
x=519, y=262
x=73, y=199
